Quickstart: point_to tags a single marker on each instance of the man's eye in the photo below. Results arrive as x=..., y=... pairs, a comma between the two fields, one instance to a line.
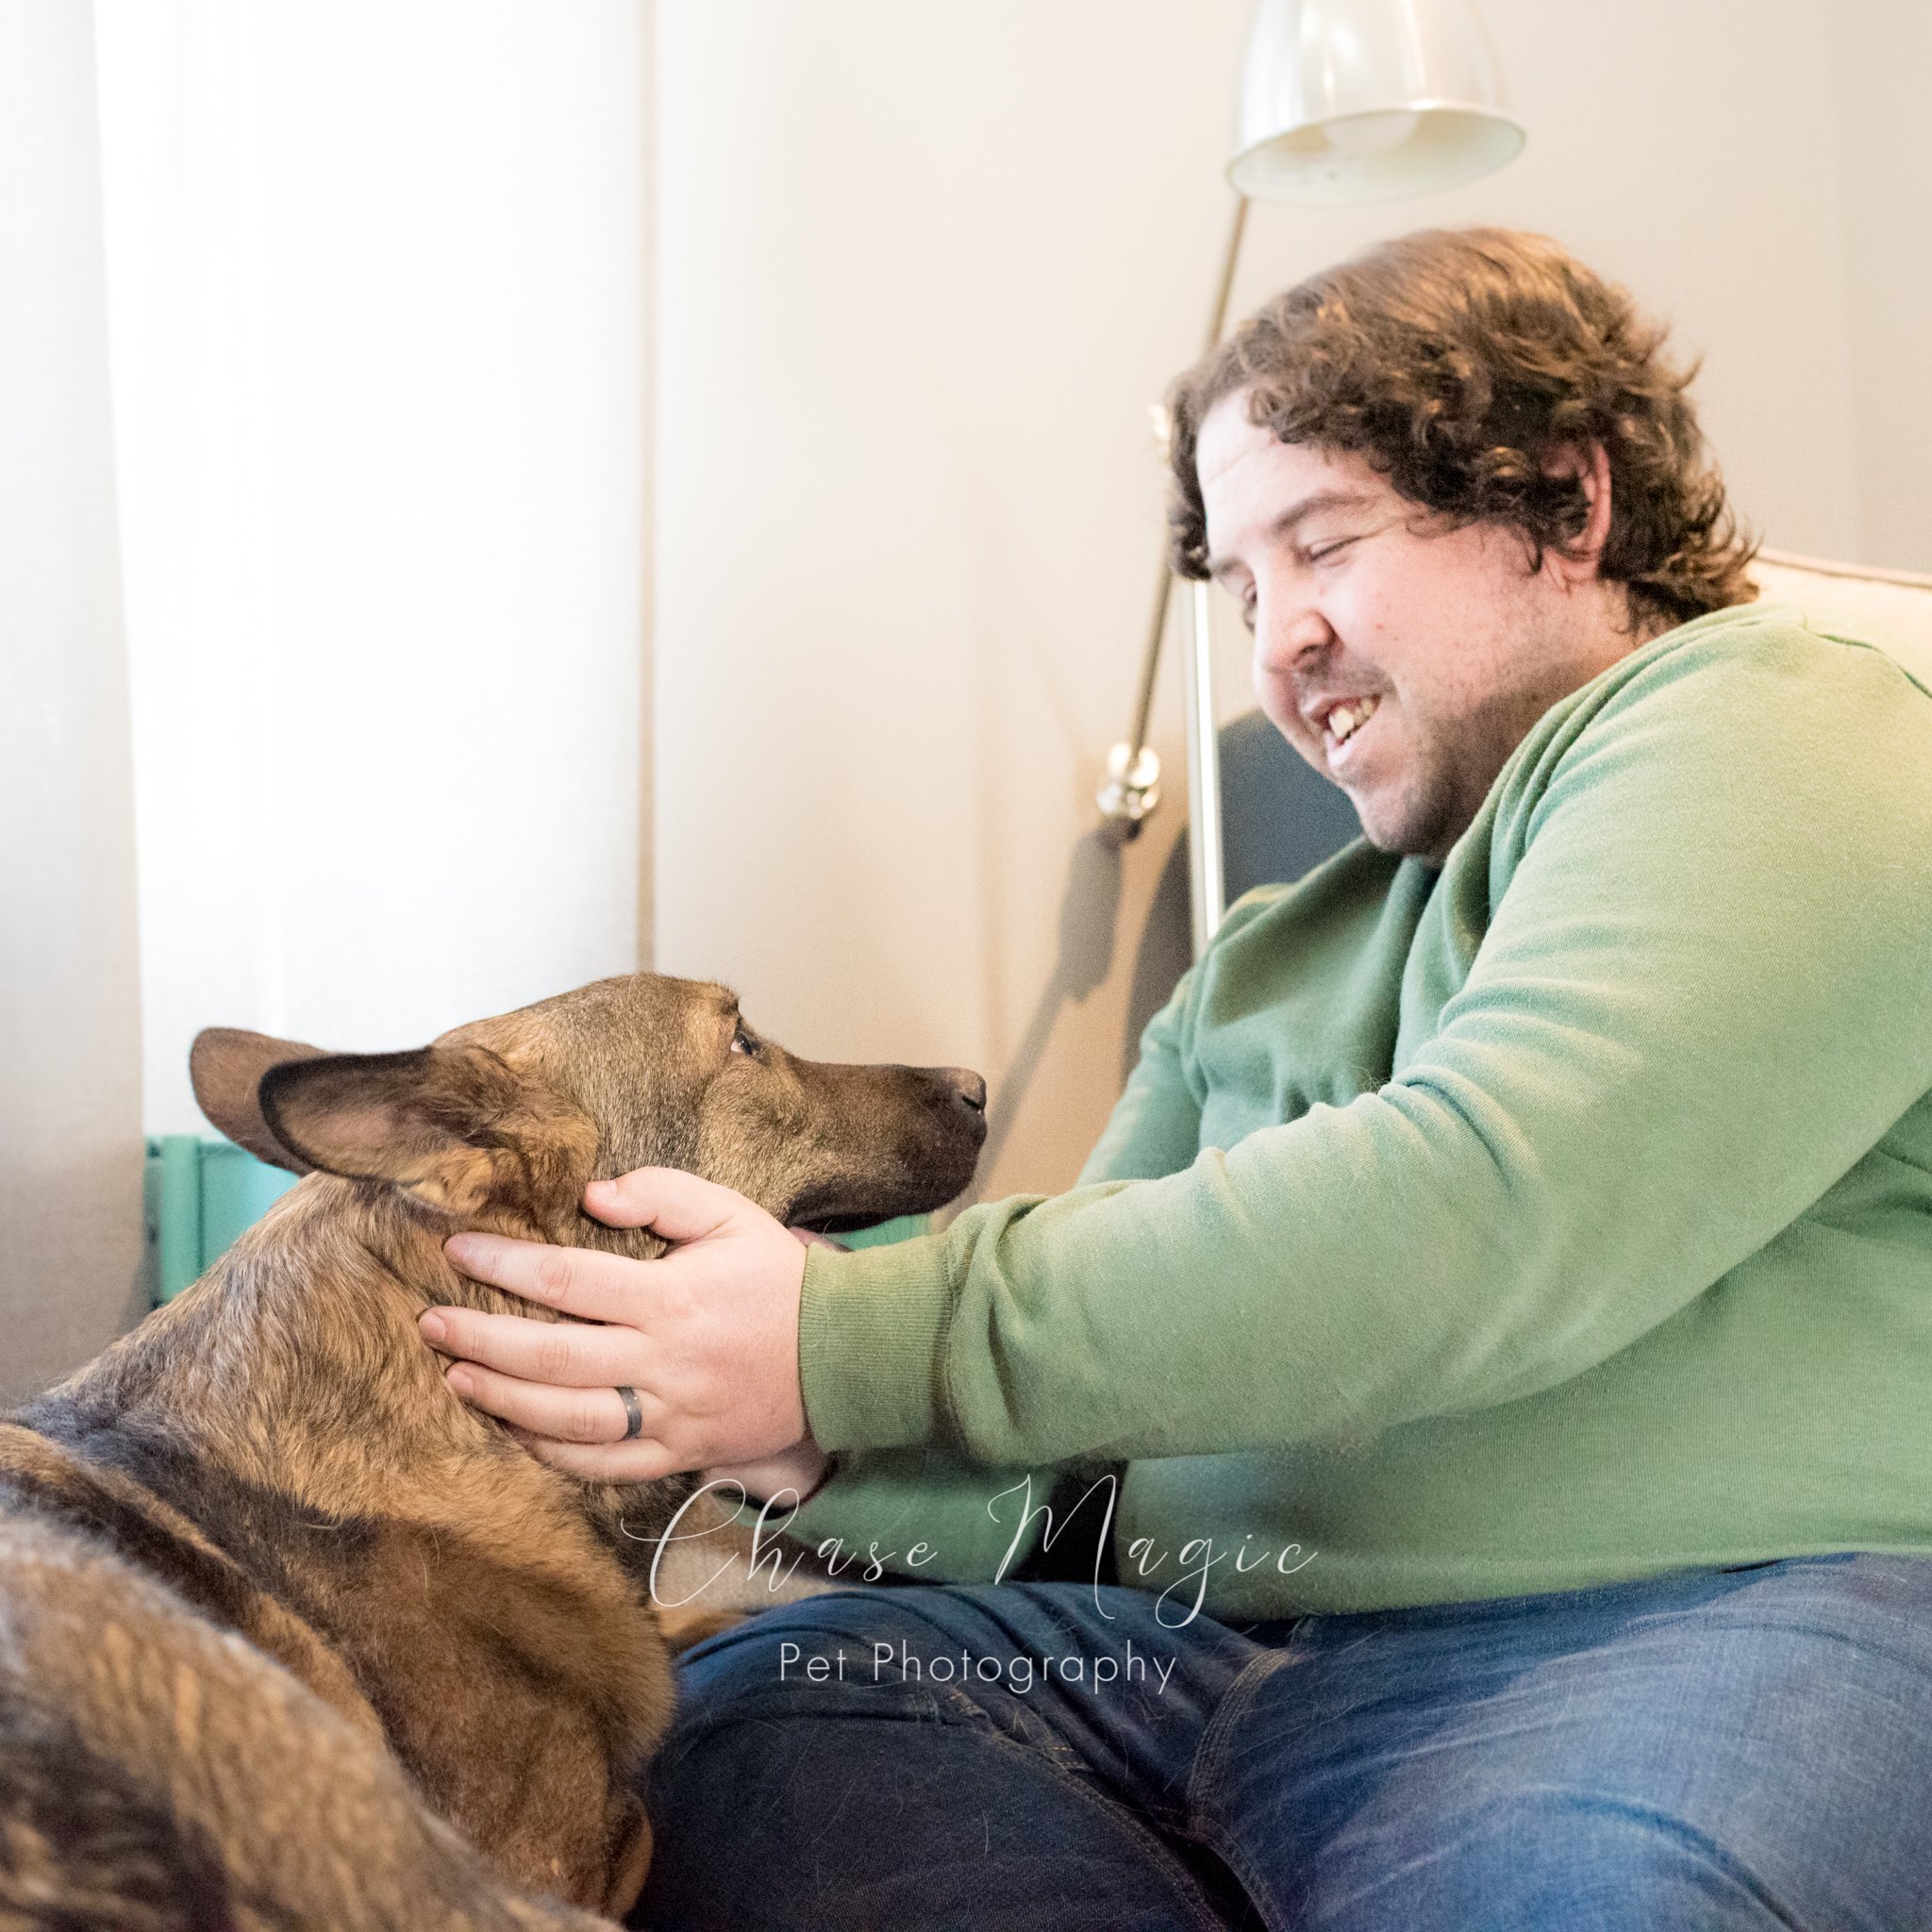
x=1323, y=551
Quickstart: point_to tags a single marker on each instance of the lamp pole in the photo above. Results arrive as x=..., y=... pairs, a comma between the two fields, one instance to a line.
x=1131, y=790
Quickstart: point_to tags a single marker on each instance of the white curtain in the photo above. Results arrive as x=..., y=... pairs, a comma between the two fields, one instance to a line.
x=374, y=323
x=70, y=1062
x=377, y=280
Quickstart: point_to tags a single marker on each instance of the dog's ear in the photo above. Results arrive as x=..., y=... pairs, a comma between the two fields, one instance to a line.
x=452, y=1125
x=226, y=1065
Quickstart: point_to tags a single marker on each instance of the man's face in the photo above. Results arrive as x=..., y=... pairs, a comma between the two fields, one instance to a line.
x=1401, y=657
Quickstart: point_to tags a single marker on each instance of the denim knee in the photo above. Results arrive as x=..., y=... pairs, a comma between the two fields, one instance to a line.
x=1583, y=1861
x=832, y=1763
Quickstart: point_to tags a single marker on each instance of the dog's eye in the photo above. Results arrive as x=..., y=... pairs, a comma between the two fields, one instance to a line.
x=743, y=1043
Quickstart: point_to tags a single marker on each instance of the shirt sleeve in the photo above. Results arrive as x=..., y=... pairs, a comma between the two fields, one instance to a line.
x=920, y=1512
x=1703, y=992
x=1155, y=1124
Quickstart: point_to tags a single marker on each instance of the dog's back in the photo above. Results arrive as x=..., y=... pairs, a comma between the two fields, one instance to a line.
x=230, y=1484
x=158, y=1772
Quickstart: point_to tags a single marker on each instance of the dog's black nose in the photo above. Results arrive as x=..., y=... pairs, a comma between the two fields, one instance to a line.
x=967, y=1085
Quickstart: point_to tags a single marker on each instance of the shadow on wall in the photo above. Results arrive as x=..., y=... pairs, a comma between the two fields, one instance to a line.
x=1089, y=916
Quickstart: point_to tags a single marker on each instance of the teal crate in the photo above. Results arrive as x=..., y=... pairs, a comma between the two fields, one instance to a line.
x=904, y=1229
x=200, y=1193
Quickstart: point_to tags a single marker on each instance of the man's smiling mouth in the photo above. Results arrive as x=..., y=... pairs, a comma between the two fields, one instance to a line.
x=1345, y=717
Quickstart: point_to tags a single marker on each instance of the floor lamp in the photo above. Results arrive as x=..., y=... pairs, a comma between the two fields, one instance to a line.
x=1341, y=102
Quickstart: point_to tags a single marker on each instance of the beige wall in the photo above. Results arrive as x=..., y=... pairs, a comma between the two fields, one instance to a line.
x=1882, y=54
x=921, y=270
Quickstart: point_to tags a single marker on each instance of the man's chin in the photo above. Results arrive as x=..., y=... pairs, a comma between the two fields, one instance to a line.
x=1408, y=823
x=1405, y=827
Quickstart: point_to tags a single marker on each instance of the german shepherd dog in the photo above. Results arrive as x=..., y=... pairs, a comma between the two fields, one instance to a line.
x=289, y=1635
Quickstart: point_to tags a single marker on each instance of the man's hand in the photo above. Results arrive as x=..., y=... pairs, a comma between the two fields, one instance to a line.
x=707, y=1337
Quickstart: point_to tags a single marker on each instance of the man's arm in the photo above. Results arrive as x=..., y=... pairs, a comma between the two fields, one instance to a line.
x=1155, y=1124
x=1705, y=991
x=967, y=1522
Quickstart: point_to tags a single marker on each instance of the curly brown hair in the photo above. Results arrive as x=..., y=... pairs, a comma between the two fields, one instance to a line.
x=1460, y=364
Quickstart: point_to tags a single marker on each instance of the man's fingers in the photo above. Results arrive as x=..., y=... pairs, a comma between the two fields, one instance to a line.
x=579, y=1281
x=676, y=1205
x=566, y=1415
x=574, y=1355
x=714, y=1331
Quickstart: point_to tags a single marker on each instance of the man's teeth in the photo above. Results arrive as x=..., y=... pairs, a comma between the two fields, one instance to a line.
x=1344, y=720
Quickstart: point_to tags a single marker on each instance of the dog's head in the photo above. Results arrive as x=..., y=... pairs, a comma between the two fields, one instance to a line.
x=502, y=1122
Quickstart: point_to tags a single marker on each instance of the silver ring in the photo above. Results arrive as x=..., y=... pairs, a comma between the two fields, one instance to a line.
x=628, y=1396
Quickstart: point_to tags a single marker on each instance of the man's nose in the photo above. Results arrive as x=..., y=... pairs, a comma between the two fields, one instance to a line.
x=1287, y=629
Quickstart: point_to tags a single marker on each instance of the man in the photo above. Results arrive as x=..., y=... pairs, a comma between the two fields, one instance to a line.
x=1494, y=1327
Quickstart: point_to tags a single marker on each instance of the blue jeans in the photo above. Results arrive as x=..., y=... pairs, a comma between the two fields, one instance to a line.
x=1710, y=1748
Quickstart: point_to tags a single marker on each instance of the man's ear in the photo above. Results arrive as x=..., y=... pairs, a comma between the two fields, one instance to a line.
x=1589, y=464
x=452, y=1125
x=226, y=1065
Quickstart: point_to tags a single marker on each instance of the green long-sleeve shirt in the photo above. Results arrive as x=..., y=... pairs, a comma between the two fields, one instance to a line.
x=1561, y=1217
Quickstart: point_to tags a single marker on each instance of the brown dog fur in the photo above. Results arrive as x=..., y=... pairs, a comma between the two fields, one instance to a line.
x=258, y=1541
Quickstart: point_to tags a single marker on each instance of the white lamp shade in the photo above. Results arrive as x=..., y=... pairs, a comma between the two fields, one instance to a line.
x=1361, y=100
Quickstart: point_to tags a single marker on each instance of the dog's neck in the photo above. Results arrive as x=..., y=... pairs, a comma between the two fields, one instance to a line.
x=294, y=1367
x=300, y=1345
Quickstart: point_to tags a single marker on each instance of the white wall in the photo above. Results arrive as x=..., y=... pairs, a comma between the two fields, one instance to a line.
x=920, y=272
x=379, y=300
